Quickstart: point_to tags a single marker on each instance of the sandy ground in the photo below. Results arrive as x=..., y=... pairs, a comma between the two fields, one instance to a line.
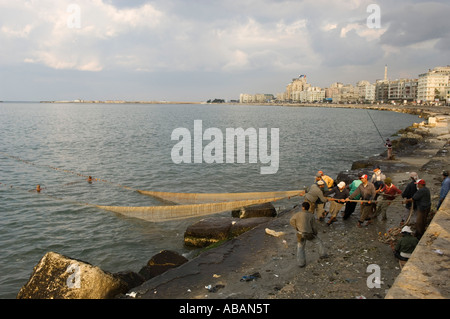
x=354, y=252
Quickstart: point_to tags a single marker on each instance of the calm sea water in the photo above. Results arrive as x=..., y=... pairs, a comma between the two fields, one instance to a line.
x=131, y=145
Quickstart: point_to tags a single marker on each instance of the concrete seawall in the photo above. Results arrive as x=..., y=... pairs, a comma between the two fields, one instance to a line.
x=426, y=274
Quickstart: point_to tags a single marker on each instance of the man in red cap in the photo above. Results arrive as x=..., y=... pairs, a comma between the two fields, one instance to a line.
x=422, y=198
x=367, y=191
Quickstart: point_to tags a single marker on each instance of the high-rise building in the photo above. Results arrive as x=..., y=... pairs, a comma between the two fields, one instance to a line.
x=434, y=84
x=296, y=86
x=381, y=91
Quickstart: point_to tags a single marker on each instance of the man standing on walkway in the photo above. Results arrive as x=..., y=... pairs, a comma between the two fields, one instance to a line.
x=367, y=192
x=305, y=224
x=388, y=144
x=422, y=198
x=445, y=187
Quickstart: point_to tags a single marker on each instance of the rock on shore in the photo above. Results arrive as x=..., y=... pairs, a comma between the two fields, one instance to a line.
x=59, y=277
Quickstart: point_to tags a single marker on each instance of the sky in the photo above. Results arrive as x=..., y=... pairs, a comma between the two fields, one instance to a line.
x=195, y=50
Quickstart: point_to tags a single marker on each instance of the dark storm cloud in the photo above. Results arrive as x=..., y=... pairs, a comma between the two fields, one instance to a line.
x=415, y=23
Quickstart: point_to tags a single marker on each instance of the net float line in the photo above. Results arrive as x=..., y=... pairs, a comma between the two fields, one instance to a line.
x=202, y=198
x=177, y=212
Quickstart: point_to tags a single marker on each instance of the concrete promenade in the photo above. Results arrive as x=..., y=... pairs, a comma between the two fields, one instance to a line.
x=426, y=275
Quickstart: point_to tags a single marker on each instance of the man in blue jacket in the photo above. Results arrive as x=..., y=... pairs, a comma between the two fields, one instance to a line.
x=445, y=187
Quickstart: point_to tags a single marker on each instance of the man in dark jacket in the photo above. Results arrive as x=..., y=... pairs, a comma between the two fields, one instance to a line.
x=408, y=193
x=406, y=245
x=422, y=198
x=314, y=195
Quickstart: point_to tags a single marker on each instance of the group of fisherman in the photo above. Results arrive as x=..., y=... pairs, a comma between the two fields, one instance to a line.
x=375, y=196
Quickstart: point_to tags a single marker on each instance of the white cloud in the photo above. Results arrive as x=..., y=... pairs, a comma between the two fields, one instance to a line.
x=16, y=33
x=51, y=38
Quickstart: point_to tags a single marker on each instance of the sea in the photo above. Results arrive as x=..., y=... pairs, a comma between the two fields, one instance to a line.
x=128, y=147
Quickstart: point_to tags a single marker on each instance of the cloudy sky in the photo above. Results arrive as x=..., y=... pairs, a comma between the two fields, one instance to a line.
x=194, y=50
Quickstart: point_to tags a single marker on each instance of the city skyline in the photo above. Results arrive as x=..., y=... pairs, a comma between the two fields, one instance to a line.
x=430, y=86
x=194, y=51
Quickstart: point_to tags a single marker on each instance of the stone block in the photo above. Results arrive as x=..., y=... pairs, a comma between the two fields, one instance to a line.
x=60, y=277
x=162, y=262
x=259, y=210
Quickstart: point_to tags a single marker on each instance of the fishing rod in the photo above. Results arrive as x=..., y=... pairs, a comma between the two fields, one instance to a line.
x=375, y=126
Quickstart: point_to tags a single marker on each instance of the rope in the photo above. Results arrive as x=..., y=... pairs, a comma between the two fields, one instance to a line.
x=411, y=210
x=366, y=201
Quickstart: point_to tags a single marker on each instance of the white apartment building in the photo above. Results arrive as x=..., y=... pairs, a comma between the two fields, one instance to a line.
x=369, y=93
x=433, y=84
x=245, y=98
x=255, y=98
x=366, y=91
x=312, y=94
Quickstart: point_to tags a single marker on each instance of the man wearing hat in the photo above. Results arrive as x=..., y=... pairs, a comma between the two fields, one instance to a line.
x=388, y=144
x=350, y=206
x=408, y=193
x=406, y=245
x=377, y=177
x=445, y=187
x=327, y=179
x=340, y=192
x=422, y=198
x=367, y=192
x=314, y=195
x=387, y=195
x=327, y=184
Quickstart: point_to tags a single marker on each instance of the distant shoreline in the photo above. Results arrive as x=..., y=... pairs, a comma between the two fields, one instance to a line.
x=122, y=102
x=420, y=110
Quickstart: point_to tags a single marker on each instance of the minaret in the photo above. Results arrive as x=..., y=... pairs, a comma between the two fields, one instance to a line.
x=385, y=73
